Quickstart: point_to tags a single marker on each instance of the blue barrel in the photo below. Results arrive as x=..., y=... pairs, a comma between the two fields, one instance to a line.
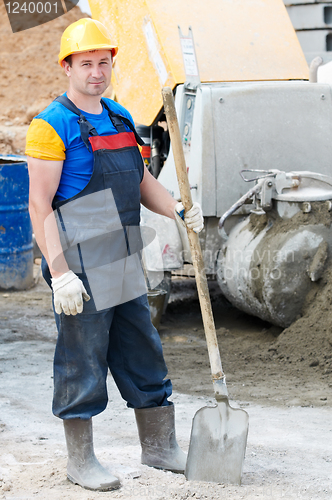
x=16, y=247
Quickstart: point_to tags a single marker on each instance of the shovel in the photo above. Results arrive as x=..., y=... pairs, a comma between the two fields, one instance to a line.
x=219, y=433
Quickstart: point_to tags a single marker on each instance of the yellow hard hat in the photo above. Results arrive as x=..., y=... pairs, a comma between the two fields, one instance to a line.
x=83, y=35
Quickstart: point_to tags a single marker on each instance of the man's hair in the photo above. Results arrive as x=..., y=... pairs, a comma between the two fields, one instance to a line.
x=69, y=60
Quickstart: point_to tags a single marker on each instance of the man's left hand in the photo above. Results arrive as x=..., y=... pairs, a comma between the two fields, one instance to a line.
x=192, y=219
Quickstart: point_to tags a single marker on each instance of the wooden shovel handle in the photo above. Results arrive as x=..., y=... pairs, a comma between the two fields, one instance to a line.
x=195, y=247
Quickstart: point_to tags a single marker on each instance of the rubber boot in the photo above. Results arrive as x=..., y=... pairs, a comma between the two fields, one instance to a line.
x=83, y=467
x=156, y=429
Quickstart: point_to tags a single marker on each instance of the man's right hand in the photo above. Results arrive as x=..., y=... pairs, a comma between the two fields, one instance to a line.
x=69, y=293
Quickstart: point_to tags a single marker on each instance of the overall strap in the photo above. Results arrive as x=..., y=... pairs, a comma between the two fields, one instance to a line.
x=86, y=128
x=118, y=122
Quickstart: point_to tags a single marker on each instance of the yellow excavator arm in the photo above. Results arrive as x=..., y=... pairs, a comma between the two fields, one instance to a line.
x=235, y=40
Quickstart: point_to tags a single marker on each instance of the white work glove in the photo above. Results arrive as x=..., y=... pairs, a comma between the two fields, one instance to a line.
x=69, y=293
x=192, y=219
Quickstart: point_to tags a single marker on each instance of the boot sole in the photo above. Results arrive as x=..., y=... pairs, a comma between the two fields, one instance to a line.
x=160, y=467
x=109, y=488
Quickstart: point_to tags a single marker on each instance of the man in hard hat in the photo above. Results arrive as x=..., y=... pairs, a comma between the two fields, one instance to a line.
x=87, y=180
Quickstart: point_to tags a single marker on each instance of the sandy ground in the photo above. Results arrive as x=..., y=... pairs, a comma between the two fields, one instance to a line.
x=289, y=451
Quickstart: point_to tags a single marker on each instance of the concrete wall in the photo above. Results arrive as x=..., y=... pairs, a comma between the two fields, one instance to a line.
x=312, y=20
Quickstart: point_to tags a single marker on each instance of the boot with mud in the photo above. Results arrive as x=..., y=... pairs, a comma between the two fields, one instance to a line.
x=83, y=467
x=156, y=429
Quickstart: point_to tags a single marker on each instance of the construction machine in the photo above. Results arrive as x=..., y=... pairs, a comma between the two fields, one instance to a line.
x=256, y=135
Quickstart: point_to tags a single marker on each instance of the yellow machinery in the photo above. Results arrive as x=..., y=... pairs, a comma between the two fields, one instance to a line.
x=247, y=105
x=235, y=40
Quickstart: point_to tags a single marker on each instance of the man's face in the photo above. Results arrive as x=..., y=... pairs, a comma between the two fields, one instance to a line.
x=90, y=72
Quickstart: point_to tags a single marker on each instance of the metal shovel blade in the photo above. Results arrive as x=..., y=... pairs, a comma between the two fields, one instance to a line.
x=217, y=444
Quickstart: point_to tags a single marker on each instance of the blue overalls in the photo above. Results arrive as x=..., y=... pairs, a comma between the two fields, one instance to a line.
x=121, y=337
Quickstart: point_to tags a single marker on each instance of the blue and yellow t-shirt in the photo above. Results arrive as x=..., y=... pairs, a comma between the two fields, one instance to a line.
x=55, y=135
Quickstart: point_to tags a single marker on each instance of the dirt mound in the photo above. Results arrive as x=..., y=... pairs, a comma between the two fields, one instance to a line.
x=30, y=77
x=308, y=341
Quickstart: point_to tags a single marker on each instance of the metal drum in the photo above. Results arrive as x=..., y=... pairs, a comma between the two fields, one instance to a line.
x=272, y=259
x=16, y=247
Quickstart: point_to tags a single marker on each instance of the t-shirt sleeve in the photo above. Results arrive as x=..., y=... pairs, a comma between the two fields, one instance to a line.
x=43, y=141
